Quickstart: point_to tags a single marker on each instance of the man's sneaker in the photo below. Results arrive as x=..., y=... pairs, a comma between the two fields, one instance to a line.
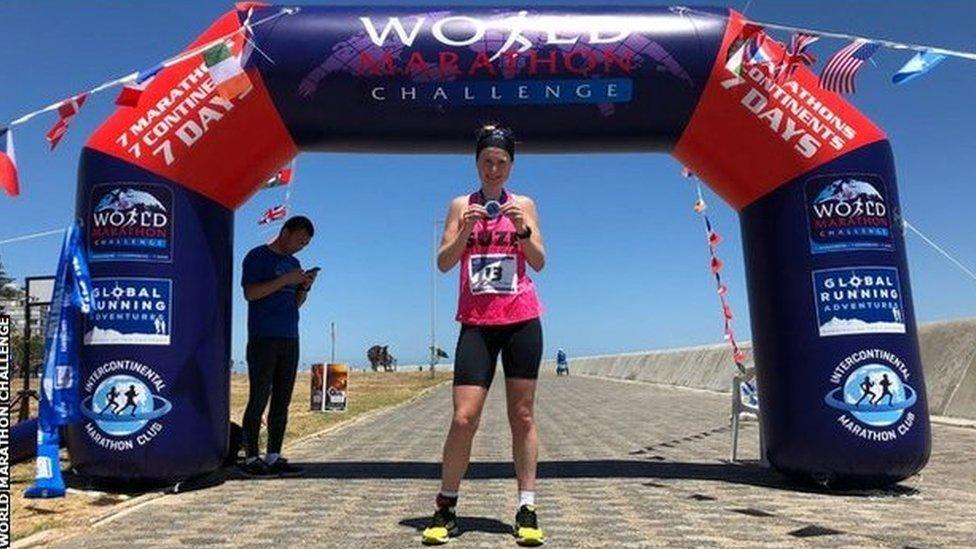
x=527, y=531
x=441, y=528
x=255, y=468
x=282, y=468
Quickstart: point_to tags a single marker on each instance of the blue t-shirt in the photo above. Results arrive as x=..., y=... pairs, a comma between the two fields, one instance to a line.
x=275, y=315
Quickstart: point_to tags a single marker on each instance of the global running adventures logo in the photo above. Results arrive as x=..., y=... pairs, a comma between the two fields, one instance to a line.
x=131, y=222
x=130, y=311
x=858, y=300
x=122, y=405
x=871, y=389
x=848, y=212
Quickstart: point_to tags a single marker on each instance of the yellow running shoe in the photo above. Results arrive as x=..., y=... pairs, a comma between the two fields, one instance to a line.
x=441, y=528
x=527, y=531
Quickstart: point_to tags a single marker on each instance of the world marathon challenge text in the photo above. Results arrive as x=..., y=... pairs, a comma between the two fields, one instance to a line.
x=4, y=431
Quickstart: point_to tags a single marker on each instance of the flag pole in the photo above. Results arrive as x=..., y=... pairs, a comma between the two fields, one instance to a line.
x=333, y=336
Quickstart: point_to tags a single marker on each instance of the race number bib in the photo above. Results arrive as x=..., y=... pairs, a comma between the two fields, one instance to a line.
x=493, y=274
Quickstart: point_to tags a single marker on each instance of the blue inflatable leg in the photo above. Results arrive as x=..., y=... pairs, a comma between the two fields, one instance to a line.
x=48, y=483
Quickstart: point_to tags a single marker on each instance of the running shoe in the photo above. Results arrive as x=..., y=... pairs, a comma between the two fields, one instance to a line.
x=282, y=468
x=441, y=528
x=255, y=468
x=527, y=531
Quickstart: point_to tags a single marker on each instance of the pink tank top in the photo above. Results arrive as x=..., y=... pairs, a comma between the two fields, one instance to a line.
x=495, y=289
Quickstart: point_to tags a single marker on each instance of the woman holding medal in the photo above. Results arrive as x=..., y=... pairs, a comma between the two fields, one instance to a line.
x=493, y=234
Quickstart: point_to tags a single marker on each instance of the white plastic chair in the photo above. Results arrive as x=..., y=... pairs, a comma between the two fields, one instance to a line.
x=745, y=406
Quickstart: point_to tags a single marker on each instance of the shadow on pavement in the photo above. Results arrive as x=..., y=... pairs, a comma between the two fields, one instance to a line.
x=467, y=524
x=751, y=474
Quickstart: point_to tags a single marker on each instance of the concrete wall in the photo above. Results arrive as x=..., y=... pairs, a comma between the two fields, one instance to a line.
x=948, y=359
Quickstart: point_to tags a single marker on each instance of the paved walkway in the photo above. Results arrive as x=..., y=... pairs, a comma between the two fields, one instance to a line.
x=622, y=465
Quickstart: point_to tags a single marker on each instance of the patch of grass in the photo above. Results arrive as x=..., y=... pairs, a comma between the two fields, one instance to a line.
x=367, y=391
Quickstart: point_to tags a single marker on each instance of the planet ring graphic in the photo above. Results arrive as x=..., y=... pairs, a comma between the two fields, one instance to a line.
x=161, y=407
x=833, y=401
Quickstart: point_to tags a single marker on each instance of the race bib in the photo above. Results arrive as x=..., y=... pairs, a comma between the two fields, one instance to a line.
x=493, y=274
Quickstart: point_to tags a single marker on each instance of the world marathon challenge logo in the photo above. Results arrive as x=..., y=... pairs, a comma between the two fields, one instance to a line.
x=130, y=311
x=848, y=212
x=130, y=222
x=508, y=58
x=873, y=395
x=858, y=300
x=122, y=405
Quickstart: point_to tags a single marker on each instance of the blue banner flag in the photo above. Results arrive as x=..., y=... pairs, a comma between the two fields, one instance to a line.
x=59, y=382
x=918, y=65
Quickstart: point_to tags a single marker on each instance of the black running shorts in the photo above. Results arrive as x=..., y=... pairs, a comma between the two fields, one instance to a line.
x=478, y=347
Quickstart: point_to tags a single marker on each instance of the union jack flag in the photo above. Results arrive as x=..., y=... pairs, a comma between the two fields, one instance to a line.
x=66, y=111
x=796, y=54
x=838, y=74
x=273, y=214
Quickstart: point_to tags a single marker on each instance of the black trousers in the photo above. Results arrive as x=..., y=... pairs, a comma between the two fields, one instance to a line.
x=271, y=366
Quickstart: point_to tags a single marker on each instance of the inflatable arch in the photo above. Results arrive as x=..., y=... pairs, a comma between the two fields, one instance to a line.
x=813, y=180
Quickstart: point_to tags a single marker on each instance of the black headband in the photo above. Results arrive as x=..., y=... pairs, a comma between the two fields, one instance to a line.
x=496, y=137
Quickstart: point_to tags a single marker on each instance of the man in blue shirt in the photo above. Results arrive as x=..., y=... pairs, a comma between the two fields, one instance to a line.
x=275, y=287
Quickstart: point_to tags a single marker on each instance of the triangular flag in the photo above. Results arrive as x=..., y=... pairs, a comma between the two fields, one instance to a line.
x=918, y=65
x=66, y=111
x=132, y=91
x=226, y=72
x=749, y=33
x=714, y=239
x=8, y=163
x=716, y=265
x=282, y=178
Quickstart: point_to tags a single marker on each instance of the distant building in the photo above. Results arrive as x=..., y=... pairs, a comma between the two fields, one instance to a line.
x=12, y=303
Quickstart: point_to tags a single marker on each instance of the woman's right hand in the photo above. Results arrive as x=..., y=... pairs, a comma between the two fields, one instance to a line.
x=472, y=214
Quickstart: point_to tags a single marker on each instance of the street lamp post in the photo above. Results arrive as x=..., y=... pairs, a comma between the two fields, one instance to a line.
x=433, y=301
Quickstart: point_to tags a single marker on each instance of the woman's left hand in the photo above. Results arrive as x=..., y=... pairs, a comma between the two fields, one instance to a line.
x=513, y=211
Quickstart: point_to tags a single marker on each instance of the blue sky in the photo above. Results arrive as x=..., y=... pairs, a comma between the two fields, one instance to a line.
x=627, y=265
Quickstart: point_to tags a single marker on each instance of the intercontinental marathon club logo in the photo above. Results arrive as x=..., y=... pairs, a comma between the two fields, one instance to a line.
x=873, y=394
x=122, y=404
x=4, y=430
x=130, y=222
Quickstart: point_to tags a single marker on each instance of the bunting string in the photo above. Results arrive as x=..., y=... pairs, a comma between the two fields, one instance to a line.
x=714, y=239
x=168, y=62
x=850, y=37
x=939, y=249
x=31, y=236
